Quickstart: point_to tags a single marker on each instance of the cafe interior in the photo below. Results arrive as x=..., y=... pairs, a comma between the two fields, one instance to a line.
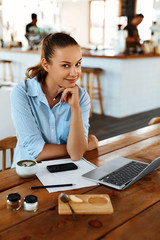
x=120, y=71
x=101, y=32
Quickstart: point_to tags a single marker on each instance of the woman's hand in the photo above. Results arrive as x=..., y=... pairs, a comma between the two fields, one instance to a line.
x=71, y=95
x=92, y=142
x=154, y=120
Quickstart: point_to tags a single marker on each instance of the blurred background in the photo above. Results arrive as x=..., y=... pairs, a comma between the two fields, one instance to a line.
x=89, y=21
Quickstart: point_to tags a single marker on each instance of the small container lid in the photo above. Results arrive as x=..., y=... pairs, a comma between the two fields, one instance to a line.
x=30, y=199
x=13, y=197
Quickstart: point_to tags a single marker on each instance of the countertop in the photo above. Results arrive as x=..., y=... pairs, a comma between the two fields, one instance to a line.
x=89, y=53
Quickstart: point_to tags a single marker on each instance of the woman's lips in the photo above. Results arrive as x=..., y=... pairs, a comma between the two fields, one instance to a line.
x=71, y=80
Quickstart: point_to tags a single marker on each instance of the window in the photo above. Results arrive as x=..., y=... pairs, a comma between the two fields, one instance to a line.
x=146, y=8
x=103, y=22
x=96, y=30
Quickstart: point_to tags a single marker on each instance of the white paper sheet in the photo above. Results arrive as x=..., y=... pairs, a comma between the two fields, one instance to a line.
x=72, y=176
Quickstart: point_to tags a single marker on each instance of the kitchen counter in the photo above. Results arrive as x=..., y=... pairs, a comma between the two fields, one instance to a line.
x=130, y=83
x=88, y=53
x=18, y=50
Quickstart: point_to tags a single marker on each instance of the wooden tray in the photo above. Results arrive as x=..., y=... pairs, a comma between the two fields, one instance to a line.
x=92, y=204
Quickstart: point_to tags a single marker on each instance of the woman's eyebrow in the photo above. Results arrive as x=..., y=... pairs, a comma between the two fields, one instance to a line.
x=70, y=62
x=79, y=60
x=64, y=62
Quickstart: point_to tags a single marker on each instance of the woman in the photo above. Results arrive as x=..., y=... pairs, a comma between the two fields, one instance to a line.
x=50, y=112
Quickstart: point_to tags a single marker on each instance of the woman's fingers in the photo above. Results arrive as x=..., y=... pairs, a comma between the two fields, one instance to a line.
x=59, y=93
x=70, y=95
x=67, y=93
x=60, y=90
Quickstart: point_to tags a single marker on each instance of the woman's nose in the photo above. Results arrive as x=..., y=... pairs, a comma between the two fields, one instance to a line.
x=73, y=71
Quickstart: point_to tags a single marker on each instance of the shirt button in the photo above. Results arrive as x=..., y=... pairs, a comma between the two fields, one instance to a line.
x=52, y=130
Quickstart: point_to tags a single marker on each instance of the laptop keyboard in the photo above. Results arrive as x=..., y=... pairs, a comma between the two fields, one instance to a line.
x=125, y=173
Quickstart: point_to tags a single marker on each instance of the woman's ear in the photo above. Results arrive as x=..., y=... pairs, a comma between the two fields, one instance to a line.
x=44, y=64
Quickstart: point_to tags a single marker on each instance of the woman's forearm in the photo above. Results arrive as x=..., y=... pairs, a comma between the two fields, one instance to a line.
x=51, y=151
x=76, y=143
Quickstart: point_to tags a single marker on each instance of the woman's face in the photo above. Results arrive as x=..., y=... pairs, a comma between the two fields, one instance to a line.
x=65, y=67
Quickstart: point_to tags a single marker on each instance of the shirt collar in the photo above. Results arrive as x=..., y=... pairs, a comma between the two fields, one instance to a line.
x=34, y=89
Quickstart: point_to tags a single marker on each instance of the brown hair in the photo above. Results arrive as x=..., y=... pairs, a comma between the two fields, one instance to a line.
x=48, y=46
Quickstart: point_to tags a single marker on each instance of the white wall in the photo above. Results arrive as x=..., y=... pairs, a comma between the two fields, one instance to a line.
x=0, y=19
x=6, y=125
x=75, y=20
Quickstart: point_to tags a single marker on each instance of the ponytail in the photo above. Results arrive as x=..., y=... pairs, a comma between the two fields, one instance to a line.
x=36, y=71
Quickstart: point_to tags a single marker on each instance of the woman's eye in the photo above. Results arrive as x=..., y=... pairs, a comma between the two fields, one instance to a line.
x=78, y=64
x=65, y=65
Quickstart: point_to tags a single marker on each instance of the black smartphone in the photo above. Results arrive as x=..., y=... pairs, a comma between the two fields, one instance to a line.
x=62, y=167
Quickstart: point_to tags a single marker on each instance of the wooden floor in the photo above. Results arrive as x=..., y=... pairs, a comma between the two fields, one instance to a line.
x=104, y=127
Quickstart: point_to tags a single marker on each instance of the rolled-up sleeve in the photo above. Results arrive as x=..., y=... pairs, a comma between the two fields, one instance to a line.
x=28, y=132
x=85, y=110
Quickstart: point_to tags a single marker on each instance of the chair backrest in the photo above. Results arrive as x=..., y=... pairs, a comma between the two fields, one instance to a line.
x=7, y=143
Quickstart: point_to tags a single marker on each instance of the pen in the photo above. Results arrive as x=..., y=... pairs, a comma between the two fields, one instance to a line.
x=59, y=94
x=51, y=186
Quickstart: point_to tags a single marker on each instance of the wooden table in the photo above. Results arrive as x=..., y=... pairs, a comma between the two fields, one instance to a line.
x=136, y=210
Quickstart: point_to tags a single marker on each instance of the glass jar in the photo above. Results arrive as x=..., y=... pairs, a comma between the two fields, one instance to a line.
x=13, y=201
x=31, y=203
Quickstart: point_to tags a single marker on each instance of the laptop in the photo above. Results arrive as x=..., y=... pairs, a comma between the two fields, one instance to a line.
x=121, y=173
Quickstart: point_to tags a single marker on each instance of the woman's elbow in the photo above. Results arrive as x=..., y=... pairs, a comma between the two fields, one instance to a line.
x=75, y=156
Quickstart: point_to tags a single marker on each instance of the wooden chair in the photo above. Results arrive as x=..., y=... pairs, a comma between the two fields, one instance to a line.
x=94, y=91
x=7, y=143
x=154, y=120
x=4, y=64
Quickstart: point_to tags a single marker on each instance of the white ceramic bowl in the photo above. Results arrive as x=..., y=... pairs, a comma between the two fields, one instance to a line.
x=26, y=168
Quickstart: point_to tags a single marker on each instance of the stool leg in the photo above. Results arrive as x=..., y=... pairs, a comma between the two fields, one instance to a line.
x=11, y=72
x=88, y=82
x=4, y=72
x=81, y=79
x=91, y=79
x=99, y=93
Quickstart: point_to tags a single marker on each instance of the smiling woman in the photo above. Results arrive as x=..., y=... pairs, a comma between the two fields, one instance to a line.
x=48, y=126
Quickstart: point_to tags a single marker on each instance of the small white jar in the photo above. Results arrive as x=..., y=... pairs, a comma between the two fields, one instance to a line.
x=31, y=203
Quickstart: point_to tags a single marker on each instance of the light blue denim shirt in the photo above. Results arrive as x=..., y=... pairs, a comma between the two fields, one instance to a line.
x=36, y=124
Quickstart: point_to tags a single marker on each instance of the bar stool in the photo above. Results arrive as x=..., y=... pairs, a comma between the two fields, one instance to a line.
x=94, y=91
x=4, y=64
